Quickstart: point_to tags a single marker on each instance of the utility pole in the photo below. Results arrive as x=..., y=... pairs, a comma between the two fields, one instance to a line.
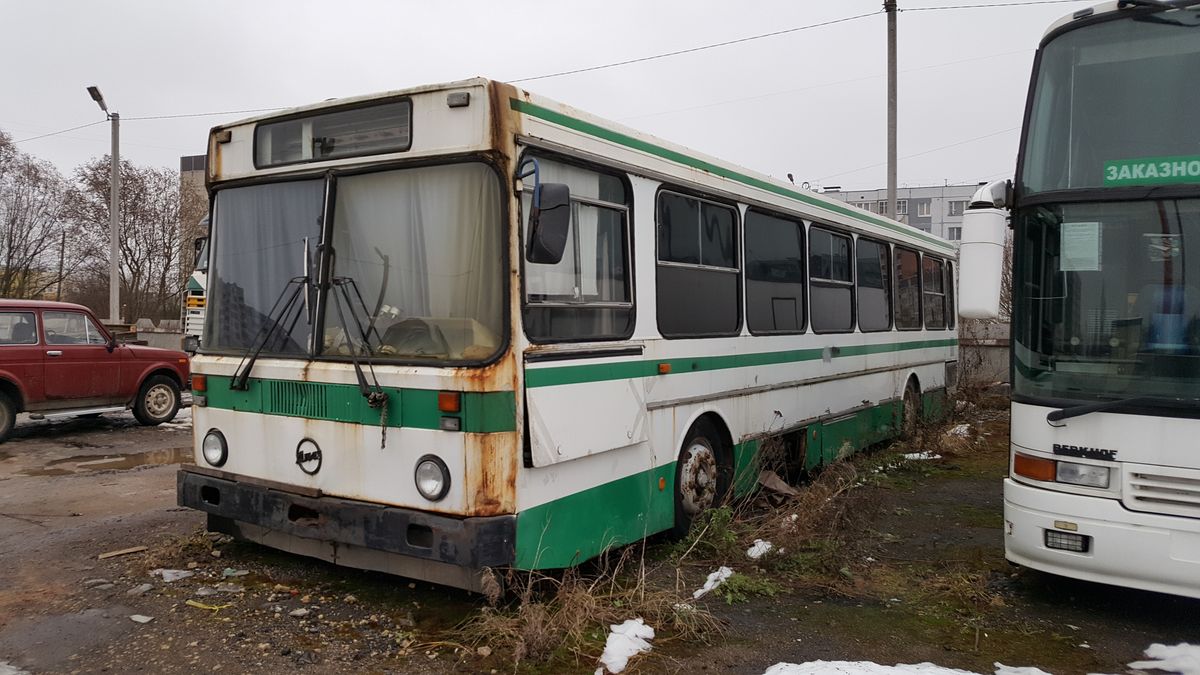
x=889, y=6
x=114, y=210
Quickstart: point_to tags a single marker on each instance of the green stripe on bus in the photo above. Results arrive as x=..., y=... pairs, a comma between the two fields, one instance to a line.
x=581, y=526
x=598, y=131
x=482, y=412
x=597, y=372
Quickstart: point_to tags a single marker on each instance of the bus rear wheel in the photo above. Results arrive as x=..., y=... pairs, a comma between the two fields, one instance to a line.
x=700, y=481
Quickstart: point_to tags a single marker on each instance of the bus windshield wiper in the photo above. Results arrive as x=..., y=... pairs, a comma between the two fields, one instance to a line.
x=1087, y=408
x=376, y=398
x=268, y=330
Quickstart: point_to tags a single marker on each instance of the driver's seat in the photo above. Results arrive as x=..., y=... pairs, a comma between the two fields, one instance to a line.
x=24, y=333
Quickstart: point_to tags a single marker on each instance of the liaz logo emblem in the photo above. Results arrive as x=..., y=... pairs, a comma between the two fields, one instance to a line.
x=1085, y=452
x=308, y=457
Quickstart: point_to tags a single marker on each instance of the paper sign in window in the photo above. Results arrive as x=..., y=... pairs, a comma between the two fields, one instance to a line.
x=1079, y=249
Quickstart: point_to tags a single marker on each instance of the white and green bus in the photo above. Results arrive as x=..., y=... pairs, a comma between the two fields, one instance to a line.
x=461, y=327
x=1104, y=480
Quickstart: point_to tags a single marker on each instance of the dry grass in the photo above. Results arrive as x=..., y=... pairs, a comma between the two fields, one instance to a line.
x=568, y=618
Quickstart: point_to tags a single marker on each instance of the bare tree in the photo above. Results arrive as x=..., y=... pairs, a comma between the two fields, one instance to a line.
x=150, y=239
x=33, y=234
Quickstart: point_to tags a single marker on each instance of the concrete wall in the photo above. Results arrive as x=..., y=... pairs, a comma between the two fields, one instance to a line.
x=983, y=352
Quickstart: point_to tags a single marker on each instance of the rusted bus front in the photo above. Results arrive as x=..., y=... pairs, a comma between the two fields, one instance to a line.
x=404, y=260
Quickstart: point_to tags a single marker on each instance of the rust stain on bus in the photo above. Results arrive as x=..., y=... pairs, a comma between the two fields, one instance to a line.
x=491, y=471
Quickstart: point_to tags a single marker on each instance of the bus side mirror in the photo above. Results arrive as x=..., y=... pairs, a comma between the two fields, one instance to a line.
x=981, y=252
x=549, y=223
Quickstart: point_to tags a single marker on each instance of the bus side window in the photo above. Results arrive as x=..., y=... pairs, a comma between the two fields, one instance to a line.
x=908, y=289
x=587, y=294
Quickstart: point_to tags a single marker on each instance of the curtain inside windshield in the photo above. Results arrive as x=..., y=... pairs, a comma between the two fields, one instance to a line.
x=425, y=247
x=1107, y=300
x=1111, y=107
x=259, y=238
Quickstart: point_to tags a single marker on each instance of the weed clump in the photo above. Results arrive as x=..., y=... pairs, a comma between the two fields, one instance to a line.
x=567, y=619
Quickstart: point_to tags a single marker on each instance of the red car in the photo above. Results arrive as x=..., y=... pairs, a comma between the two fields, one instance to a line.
x=57, y=360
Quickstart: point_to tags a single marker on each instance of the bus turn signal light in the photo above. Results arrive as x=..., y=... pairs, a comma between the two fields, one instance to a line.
x=199, y=382
x=1034, y=467
x=449, y=401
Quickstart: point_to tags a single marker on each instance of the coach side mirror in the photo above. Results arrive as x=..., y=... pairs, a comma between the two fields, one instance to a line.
x=549, y=223
x=981, y=252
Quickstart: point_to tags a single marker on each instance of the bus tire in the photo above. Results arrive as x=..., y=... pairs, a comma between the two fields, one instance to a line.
x=8, y=416
x=157, y=401
x=910, y=414
x=700, y=482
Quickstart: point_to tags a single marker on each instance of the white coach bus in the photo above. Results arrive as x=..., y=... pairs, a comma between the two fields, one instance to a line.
x=462, y=327
x=1104, y=480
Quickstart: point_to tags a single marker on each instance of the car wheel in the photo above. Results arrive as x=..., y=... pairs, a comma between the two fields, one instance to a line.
x=8, y=417
x=700, y=479
x=157, y=401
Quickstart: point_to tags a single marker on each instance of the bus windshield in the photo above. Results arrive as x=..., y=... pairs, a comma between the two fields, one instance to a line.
x=416, y=265
x=1107, y=300
x=1109, y=106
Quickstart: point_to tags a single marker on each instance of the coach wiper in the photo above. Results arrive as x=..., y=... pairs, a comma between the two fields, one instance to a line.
x=269, y=330
x=1087, y=408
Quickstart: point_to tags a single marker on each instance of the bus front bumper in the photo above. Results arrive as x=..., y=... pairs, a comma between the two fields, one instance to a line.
x=408, y=542
x=1126, y=548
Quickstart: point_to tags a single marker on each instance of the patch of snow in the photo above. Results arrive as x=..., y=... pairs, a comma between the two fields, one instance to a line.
x=859, y=668
x=962, y=431
x=1002, y=669
x=1182, y=658
x=171, y=575
x=715, y=579
x=624, y=642
x=921, y=455
x=759, y=549
x=8, y=669
x=869, y=668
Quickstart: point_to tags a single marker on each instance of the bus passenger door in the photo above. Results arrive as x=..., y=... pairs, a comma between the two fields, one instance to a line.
x=582, y=403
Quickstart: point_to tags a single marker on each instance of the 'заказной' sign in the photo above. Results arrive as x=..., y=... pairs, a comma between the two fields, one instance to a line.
x=1152, y=171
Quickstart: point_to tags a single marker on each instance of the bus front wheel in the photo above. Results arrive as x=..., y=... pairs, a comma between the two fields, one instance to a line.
x=700, y=481
x=910, y=417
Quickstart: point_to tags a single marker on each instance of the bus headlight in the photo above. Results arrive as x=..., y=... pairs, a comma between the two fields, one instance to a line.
x=1087, y=475
x=432, y=477
x=214, y=448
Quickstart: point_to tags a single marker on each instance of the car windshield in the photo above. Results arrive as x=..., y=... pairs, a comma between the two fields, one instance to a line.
x=1109, y=106
x=1107, y=300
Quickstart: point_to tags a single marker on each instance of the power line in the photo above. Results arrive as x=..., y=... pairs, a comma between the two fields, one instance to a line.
x=923, y=153
x=816, y=86
x=63, y=131
x=987, y=5
x=1017, y=3
x=203, y=114
x=695, y=49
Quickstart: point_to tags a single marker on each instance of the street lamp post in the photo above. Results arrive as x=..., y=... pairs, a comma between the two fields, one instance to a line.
x=114, y=210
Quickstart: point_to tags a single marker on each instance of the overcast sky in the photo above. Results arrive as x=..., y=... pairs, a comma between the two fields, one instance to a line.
x=811, y=102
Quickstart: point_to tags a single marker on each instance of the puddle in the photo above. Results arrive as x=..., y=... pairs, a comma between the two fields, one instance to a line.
x=85, y=463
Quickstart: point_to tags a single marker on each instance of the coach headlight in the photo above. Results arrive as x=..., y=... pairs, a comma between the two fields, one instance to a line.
x=214, y=448
x=432, y=478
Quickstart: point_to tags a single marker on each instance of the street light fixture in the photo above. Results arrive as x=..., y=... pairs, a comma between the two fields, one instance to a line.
x=114, y=208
